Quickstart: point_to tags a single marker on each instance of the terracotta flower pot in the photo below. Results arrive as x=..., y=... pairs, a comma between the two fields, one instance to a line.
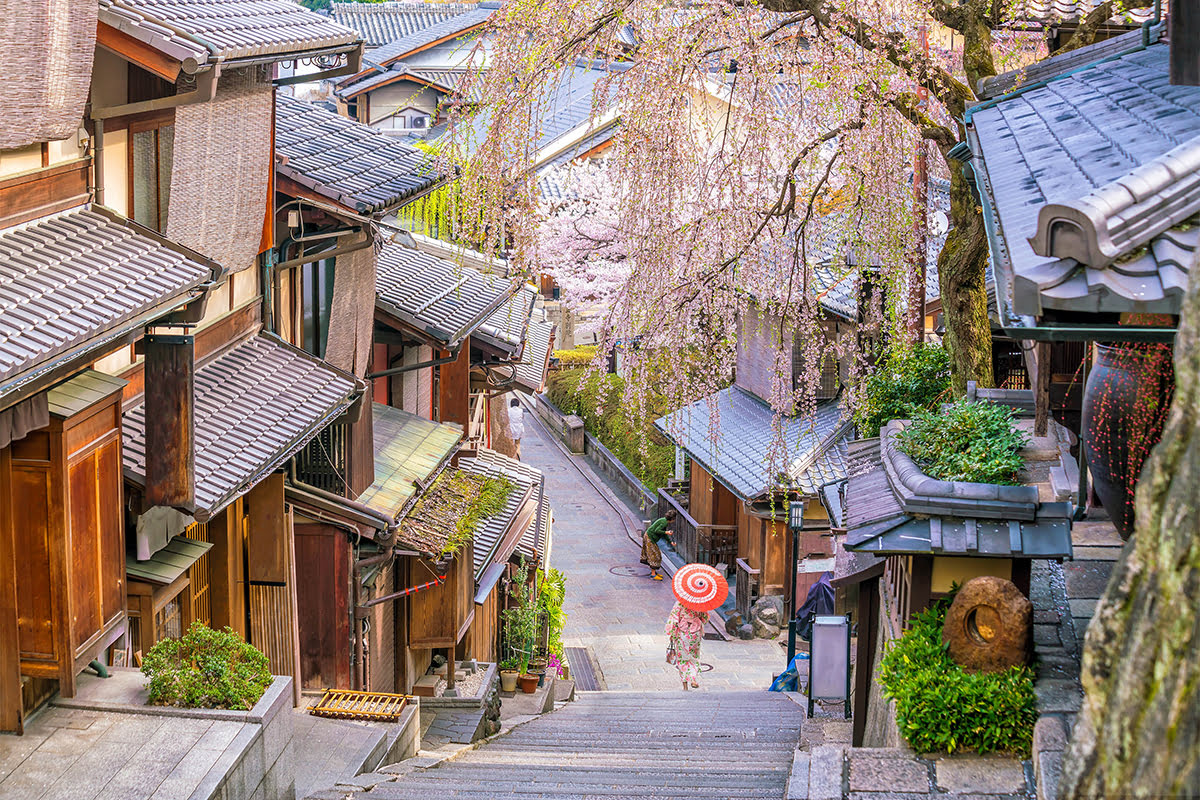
x=508, y=680
x=529, y=683
x=1125, y=407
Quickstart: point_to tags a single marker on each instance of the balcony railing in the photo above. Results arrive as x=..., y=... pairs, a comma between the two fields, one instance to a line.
x=695, y=541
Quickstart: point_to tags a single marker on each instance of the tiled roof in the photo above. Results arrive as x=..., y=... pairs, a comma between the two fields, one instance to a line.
x=744, y=454
x=1052, y=67
x=256, y=405
x=75, y=279
x=1050, y=11
x=444, y=80
x=448, y=28
x=442, y=299
x=1060, y=142
x=531, y=372
x=877, y=524
x=346, y=161
x=506, y=328
x=380, y=23
x=582, y=146
x=409, y=450
x=226, y=29
x=527, y=483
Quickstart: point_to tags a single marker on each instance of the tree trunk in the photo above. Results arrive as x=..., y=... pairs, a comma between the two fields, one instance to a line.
x=962, y=277
x=1138, y=733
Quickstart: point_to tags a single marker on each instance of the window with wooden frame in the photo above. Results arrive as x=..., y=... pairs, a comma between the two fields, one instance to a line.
x=151, y=151
x=316, y=302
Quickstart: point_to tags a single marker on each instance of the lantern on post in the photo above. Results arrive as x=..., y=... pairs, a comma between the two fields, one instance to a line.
x=829, y=661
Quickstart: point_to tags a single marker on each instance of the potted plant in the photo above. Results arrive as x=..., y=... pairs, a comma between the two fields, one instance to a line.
x=529, y=683
x=521, y=619
x=510, y=669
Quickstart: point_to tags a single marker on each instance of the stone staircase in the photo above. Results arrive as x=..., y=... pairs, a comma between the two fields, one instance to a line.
x=723, y=745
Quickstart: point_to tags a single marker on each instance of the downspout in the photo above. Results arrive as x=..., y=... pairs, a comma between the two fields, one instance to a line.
x=383, y=373
x=367, y=241
x=390, y=527
x=98, y=159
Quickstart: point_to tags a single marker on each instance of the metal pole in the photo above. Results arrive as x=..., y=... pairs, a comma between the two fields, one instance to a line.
x=792, y=573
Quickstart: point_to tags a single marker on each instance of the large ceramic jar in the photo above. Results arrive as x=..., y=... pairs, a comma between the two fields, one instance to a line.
x=1125, y=406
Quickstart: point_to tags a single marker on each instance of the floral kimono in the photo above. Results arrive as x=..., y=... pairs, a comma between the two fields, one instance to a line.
x=685, y=629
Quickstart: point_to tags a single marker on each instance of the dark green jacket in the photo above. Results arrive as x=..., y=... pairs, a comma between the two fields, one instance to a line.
x=657, y=530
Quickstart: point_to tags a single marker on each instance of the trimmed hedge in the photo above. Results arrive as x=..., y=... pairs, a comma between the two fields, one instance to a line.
x=940, y=707
x=206, y=669
x=600, y=402
x=581, y=356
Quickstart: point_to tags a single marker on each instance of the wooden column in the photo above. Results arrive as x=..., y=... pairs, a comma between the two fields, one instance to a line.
x=1185, y=44
x=864, y=666
x=170, y=438
x=1041, y=390
x=11, y=716
x=454, y=387
x=225, y=565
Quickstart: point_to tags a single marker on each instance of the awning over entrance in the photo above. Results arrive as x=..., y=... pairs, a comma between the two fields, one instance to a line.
x=257, y=403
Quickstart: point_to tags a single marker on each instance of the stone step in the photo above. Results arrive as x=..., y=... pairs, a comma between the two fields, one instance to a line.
x=581, y=778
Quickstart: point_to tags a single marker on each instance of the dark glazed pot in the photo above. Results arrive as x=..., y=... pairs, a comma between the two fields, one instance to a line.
x=1125, y=406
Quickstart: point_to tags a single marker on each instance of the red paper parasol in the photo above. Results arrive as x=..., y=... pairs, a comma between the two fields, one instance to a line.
x=700, y=587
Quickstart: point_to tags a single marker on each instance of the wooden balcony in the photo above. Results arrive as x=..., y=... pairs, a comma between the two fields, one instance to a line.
x=695, y=541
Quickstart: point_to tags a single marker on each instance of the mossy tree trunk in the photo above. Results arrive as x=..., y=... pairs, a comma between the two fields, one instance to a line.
x=1138, y=734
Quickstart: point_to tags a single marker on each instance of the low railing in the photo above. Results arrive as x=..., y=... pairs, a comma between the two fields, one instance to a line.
x=686, y=538
x=746, y=587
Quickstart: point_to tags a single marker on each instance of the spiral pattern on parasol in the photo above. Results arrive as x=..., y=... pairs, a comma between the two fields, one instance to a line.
x=700, y=587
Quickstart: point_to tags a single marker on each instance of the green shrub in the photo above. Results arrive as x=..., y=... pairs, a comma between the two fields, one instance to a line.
x=966, y=442
x=940, y=707
x=552, y=592
x=600, y=401
x=580, y=356
x=206, y=669
x=908, y=381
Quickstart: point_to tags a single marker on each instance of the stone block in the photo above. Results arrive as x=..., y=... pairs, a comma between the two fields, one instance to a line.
x=1049, y=734
x=987, y=625
x=425, y=686
x=826, y=766
x=975, y=775
x=1084, y=608
x=1047, y=770
x=1086, y=578
x=1058, y=696
x=797, y=786
x=873, y=774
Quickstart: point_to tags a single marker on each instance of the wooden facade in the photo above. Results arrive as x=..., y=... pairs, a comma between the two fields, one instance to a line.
x=441, y=615
x=61, y=519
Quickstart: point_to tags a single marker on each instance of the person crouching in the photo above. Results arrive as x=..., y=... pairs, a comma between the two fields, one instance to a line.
x=658, y=530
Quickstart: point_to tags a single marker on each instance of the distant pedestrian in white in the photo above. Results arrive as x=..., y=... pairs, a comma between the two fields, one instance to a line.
x=516, y=424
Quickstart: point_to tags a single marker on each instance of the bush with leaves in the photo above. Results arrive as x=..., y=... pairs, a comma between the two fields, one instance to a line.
x=907, y=381
x=940, y=707
x=552, y=592
x=599, y=399
x=967, y=441
x=581, y=356
x=206, y=669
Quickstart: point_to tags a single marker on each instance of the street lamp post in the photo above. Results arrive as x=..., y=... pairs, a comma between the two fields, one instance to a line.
x=795, y=522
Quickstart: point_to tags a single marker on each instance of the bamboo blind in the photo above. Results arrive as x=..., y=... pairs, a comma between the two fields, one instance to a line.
x=221, y=173
x=46, y=71
x=352, y=317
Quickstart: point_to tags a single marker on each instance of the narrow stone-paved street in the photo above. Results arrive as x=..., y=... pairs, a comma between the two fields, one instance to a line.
x=621, y=618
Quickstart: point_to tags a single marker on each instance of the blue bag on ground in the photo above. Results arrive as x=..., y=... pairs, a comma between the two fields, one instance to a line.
x=789, y=681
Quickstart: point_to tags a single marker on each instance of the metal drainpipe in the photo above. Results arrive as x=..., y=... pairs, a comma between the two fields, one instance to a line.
x=98, y=159
x=410, y=367
x=368, y=241
x=392, y=529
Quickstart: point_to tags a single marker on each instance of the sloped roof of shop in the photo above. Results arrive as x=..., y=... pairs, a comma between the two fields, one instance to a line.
x=739, y=448
x=528, y=485
x=1098, y=167
x=535, y=358
x=445, y=81
x=72, y=281
x=436, y=297
x=506, y=328
x=409, y=451
x=349, y=162
x=1054, y=11
x=444, y=30
x=257, y=403
x=381, y=23
x=226, y=29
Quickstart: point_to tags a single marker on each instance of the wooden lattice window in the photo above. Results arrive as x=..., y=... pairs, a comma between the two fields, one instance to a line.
x=201, y=596
x=168, y=620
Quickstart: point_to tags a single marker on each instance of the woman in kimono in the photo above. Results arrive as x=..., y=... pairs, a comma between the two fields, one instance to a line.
x=685, y=629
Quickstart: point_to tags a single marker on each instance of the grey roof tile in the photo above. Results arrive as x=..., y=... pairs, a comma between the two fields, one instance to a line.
x=447, y=28
x=1056, y=142
x=531, y=372
x=506, y=328
x=257, y=403
x=1052, y=11
x=381, y=23
x=443, y=80
x=234, y=28
x=528, y=483
x=80, y=275
x=346, y=161
x=444, y=300
x=746, y=453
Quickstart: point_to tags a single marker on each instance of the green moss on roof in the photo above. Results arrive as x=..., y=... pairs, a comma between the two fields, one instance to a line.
x=447, y=516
